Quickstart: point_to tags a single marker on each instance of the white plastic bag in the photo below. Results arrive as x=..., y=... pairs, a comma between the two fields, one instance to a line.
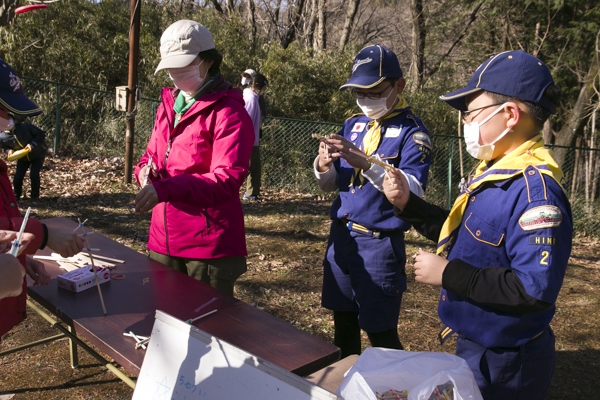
x=379, y=369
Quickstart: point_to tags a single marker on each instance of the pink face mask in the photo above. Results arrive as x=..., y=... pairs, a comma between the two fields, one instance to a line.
x=187, y=78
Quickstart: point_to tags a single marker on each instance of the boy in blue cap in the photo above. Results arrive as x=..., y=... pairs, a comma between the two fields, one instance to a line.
x=364, y=275
x=507, y=239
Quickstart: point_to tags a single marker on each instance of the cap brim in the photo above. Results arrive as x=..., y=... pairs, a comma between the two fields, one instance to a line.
x=456, y=99
x=19, y=104
x=362, y=82
x=178, y=61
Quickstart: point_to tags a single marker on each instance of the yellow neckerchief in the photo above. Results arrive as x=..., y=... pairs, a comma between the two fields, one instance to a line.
x=531, y=153
x=370, y=142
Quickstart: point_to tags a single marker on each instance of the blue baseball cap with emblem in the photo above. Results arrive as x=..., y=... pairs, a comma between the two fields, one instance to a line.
x=371, y=66
x=12, y=96
x=516, y=74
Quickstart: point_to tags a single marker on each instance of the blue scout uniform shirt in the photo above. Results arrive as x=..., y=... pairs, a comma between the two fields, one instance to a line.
x=405, y=143
x=524, y=224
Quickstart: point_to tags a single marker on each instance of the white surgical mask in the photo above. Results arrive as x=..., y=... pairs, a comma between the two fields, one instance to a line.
x=374, y=108
x=6, y=124
x=471, y=134
x=245, y=81
x=188, y=78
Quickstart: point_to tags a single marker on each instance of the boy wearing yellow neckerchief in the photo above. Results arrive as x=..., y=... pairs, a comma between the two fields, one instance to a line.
x=363, y=270
x=503, y=248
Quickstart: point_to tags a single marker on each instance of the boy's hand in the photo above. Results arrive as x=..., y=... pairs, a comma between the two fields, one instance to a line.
x=64, y=241
x=396, y=188
x=7, y=237
x=429, y=268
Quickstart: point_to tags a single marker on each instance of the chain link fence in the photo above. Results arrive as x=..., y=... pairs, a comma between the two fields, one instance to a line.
x=85, y=123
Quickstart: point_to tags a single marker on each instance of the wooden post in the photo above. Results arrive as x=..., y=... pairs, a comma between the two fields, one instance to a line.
x=132, y=82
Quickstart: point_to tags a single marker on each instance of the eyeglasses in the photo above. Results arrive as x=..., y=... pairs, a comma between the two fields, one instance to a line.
x=466, y=114
x=372, y=96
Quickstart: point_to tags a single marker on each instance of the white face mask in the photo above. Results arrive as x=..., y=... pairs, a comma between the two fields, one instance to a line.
x=374, y=108
x=245, y=81
x=6, y=124
x=471, y=134
x=188, y=78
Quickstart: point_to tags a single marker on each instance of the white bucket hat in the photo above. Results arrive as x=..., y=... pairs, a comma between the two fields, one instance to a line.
x=181, y=43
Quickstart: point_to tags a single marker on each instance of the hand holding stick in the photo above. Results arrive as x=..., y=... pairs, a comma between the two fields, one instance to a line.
x=14, y=250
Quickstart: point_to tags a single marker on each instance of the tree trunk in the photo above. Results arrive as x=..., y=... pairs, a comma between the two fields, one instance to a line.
x=321, y=39
x=350, y=14
x=252, y=23
x=216, y=5
x=294, y=16
x=576, y=118
x=419, y=33
x=312, y=22
x=7, y=11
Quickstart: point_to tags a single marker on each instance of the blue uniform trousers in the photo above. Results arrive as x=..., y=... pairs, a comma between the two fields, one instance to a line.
x=518, y=373
x=365, y=274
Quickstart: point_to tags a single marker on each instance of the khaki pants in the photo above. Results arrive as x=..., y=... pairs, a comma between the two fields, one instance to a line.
x=254, y=174
x=220, y=273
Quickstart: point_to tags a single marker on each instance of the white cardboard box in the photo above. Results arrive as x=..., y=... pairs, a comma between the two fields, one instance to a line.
x=82, y=278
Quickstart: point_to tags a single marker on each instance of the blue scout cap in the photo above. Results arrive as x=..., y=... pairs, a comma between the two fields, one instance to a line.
x=515, y=74
x=11, y=93
x=372, y=65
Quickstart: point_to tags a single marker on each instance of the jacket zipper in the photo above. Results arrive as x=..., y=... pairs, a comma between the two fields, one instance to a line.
x=165, y=205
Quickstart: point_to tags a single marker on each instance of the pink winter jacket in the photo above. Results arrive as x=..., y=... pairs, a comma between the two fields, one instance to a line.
x=12, y=309
x=202, y=163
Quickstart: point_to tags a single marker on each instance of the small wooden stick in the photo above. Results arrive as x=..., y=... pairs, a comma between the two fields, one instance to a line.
x=87, y=243
x=189, y=321
x=14, y=250
x=80, y=224
x=373, y=160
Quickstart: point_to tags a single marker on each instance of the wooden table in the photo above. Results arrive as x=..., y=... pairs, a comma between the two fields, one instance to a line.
x=149, y=286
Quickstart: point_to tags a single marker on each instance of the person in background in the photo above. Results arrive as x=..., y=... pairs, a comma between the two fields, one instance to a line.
x=195, y=163
x=252, y=94
x=364, y=267
x=25, y=136
x=14, y=102
x=504, y=246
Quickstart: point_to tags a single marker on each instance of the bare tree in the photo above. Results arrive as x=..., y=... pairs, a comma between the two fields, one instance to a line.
x=350, y=14
x=7, y=11
x=294, y=16
x=252, y=22
x=217, y=6
x=419, y=33
x=578, y=114
x=312, y=22
x=320, y=42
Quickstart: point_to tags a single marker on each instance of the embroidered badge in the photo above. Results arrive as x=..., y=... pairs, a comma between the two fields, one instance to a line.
x=392, y=132
x=358, y=63
x=359, y=127
x=353, y=137
x=541, y=217
x=542, y=240
x=423, y=139
x=14, y=81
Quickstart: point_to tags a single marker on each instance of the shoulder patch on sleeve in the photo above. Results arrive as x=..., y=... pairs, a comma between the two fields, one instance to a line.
x=423, y=139
x=542, y=240
x=540, y=217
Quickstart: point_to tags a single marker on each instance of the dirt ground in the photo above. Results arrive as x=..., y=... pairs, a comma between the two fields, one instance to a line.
x=286, y=236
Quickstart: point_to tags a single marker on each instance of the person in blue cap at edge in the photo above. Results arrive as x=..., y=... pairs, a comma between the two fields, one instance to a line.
x=503, y=248
x=364, y=266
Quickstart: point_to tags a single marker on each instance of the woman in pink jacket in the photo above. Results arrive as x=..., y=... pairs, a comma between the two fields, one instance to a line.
x=195, y=163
